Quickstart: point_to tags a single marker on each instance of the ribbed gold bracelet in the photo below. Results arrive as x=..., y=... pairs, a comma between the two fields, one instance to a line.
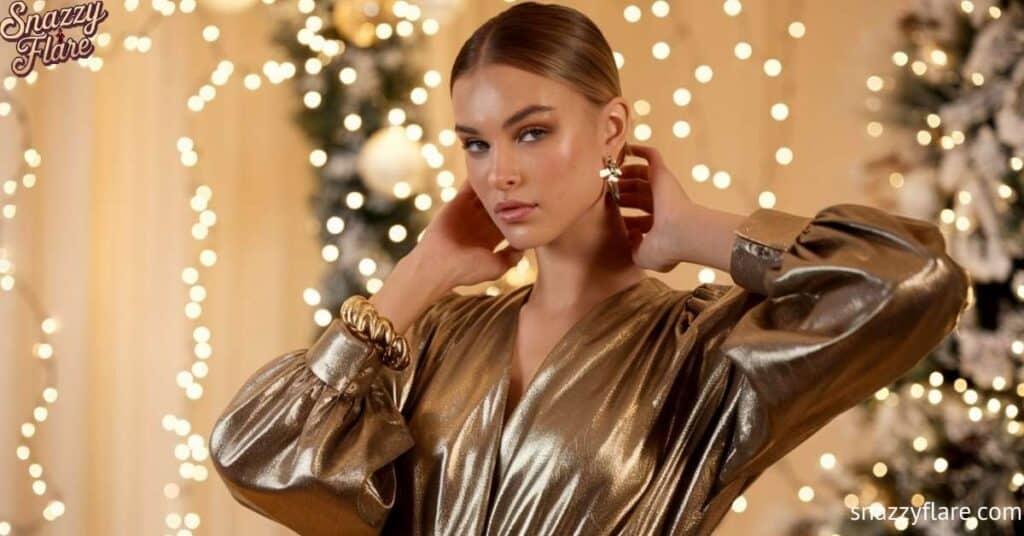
x=364, y=321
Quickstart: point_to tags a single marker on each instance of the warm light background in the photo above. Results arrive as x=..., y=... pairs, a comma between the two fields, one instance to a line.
x=104, y=236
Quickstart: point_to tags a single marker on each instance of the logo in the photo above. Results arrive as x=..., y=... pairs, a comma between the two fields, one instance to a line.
x=41, y=35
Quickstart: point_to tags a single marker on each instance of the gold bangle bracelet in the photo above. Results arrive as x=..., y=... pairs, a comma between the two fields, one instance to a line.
x=364, y=321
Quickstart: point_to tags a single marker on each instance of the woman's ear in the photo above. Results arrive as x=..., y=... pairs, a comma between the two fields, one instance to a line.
x=615, y=127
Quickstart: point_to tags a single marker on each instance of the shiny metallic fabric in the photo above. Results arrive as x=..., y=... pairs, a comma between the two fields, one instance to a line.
x=650, y=415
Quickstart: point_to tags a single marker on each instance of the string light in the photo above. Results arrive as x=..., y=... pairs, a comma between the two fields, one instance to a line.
x=138, y=42
x=191, y=451
x=42, y=351
x=778, y=109
x=703, y=73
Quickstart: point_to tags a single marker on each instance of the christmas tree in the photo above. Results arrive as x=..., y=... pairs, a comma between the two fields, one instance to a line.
x=361, y=94
x=948, y=434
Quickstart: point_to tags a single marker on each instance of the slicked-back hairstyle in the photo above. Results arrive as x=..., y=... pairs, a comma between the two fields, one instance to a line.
x=550, y=40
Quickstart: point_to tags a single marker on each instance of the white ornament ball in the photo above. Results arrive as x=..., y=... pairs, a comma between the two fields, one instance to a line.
x=228, y=6
x=390, y=157
x=917, y=197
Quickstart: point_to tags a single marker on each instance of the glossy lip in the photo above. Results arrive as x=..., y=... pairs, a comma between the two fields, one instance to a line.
x=510, y=204
x=514, y=211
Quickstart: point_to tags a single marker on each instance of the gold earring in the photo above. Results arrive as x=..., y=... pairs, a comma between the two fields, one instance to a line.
x=611, y=174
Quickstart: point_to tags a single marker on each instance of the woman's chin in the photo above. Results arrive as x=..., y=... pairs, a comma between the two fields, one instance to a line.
x=521, y=239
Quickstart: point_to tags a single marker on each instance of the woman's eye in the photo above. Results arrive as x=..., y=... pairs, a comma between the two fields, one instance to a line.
x=469, y=143
x=535, y=131
x=539, y=131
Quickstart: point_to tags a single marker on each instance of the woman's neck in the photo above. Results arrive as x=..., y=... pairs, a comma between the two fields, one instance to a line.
x=590, y=261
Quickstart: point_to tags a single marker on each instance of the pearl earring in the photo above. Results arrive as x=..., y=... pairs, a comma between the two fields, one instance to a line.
x=611, y=174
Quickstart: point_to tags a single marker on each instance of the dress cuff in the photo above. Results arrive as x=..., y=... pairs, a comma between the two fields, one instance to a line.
x=344, y=361
x=760, y=241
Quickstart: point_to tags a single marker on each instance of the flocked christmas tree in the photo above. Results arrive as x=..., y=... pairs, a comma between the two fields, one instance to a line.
x=361, y=91
x=949, y=433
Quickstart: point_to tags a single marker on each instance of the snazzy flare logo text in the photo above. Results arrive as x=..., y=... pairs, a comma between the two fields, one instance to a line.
x=42, y=34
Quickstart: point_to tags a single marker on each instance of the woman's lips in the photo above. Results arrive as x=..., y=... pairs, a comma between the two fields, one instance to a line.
x=513, y=215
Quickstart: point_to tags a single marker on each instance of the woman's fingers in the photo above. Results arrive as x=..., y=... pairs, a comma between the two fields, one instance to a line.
x=647, y=152
x=634, y=185
x=635, y=238
x=636, y=193
x=642, y=223
x=640, y=201
x=635, y=170
x=656, y=163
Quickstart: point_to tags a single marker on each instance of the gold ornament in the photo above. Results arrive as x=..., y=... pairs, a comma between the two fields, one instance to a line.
x=357, y=20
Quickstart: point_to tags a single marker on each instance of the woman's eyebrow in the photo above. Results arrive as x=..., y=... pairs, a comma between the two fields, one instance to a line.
x=512, y=119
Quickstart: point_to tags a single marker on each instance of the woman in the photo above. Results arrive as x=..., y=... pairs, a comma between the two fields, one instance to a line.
x=597, y=400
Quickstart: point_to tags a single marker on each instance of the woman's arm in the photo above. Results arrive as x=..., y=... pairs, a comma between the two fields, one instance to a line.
x=707, y=238
x=310, y=439
x=410, y=288
x=839, y=306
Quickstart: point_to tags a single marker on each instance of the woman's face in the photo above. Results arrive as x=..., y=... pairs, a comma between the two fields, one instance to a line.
x=536, y=140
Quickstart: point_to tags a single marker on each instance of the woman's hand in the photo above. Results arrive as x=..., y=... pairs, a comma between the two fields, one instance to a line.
x=460, y=241
x=656, y=236
x=675, y=229
x=457, y=249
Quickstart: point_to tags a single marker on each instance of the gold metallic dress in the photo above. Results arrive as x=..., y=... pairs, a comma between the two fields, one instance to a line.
x=649, y=416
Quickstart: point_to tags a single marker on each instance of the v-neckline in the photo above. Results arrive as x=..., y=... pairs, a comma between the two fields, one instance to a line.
x=546, y=362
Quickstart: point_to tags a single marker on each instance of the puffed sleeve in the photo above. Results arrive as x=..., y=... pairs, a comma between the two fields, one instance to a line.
x=310, y=438
x=852, y=299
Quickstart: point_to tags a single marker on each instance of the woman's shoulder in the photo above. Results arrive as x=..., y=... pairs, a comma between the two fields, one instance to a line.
x=457, y=305
x=707, y=294
x=707, y=304
x=696, y=299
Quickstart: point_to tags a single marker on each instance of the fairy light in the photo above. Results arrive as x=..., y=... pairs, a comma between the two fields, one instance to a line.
x=632, y=13
x=743, y=50
x=42, y=351
x=30, y=429
x=703, y=74
x=778, y=117
x=661, y=50
x=732, y=7
x=681, y=129
x=191, y=453
x=805, y=494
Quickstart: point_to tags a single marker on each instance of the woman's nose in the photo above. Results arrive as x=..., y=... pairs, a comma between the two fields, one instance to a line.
x=504, y=174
